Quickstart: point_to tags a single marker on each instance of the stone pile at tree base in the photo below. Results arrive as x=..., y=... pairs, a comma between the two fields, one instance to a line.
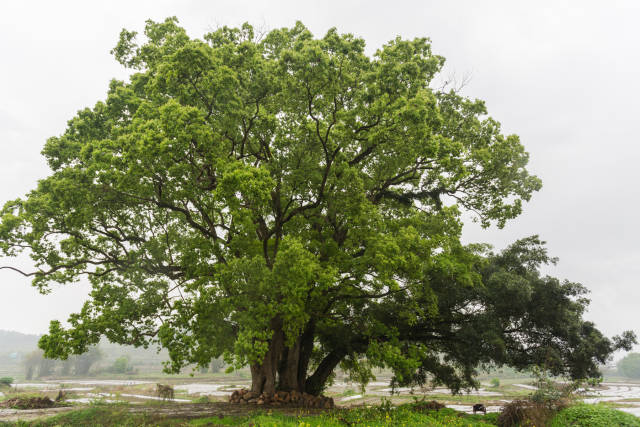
x=282, y=398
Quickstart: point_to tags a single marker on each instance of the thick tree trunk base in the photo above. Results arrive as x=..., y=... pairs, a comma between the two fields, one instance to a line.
x=282, y=398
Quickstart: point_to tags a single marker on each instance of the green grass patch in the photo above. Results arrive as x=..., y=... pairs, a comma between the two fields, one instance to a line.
x=359, y=417
x=585, y=415
x=99, y=416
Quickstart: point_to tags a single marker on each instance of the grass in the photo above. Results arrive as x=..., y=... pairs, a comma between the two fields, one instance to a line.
x=584, y=415
x=407, y=414
x=119, y=415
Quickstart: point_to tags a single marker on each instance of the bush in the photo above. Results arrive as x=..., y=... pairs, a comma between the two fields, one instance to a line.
x=495, y=382
x=583, y=415
x=541, y=406
x=524, y=413
x=553, y=395
x=6, y=381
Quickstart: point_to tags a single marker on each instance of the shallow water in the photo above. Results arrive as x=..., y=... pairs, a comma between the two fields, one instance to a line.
x=142, y=396
x=206, y=389
x=92, y=399
x=527, y=386
x=346, y=399
x=44, y=386
x=614, y=392
x=104, y=382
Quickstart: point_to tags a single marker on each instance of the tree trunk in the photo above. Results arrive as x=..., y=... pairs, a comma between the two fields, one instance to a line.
x=263, y=375
x=288, y=368
x=285, y=368
x=315, y=383
x=306, y=348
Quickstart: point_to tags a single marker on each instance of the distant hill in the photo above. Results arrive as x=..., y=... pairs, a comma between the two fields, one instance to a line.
x=11, y=341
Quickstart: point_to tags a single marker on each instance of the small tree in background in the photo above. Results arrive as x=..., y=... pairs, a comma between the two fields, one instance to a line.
x=122, y=365
x=216, y=365
x=84, y=362
x=629, y=366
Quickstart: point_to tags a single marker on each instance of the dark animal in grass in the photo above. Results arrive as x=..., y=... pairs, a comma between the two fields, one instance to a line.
x=164, y=391
x=479, y=407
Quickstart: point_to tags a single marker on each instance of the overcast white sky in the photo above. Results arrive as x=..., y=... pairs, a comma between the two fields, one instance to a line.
x=565, y=76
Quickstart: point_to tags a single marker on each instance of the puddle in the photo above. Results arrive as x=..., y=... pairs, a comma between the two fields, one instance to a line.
x=527, y=386
x=346, y=399
x=43, y=386
x=92, y=399
x=105, y=382
x=206, y=389
x=142, y=396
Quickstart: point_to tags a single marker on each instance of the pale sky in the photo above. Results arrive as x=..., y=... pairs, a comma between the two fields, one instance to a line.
x=562, y=75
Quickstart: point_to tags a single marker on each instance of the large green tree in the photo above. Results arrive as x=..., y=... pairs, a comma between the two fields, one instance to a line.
x=294, y=204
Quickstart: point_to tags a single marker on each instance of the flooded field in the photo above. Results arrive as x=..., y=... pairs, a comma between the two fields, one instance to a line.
x=87, y=391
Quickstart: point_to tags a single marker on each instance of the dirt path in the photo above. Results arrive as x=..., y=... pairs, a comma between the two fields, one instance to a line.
x=30, y=414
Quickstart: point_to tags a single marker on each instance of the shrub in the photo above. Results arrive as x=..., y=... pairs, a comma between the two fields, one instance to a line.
x=524, y=413
x=495, y=382
x=583, y=415
x=553, y=395
x=6, y=381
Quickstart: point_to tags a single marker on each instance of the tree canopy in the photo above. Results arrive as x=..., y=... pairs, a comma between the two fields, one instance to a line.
x=295, y=204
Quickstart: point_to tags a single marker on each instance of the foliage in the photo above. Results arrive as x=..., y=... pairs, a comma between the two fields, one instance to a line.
x=6, y=381
x=584, y=415
x=495, y=382
x=554, y=395
x=629, y=366
x=542, y=405
x=293, y=204
x=121, y=366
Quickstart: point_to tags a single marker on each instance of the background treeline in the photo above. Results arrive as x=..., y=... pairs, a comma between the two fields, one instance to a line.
x=20, y=357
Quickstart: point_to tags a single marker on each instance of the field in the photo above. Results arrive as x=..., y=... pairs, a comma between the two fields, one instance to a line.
x=203, y=400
